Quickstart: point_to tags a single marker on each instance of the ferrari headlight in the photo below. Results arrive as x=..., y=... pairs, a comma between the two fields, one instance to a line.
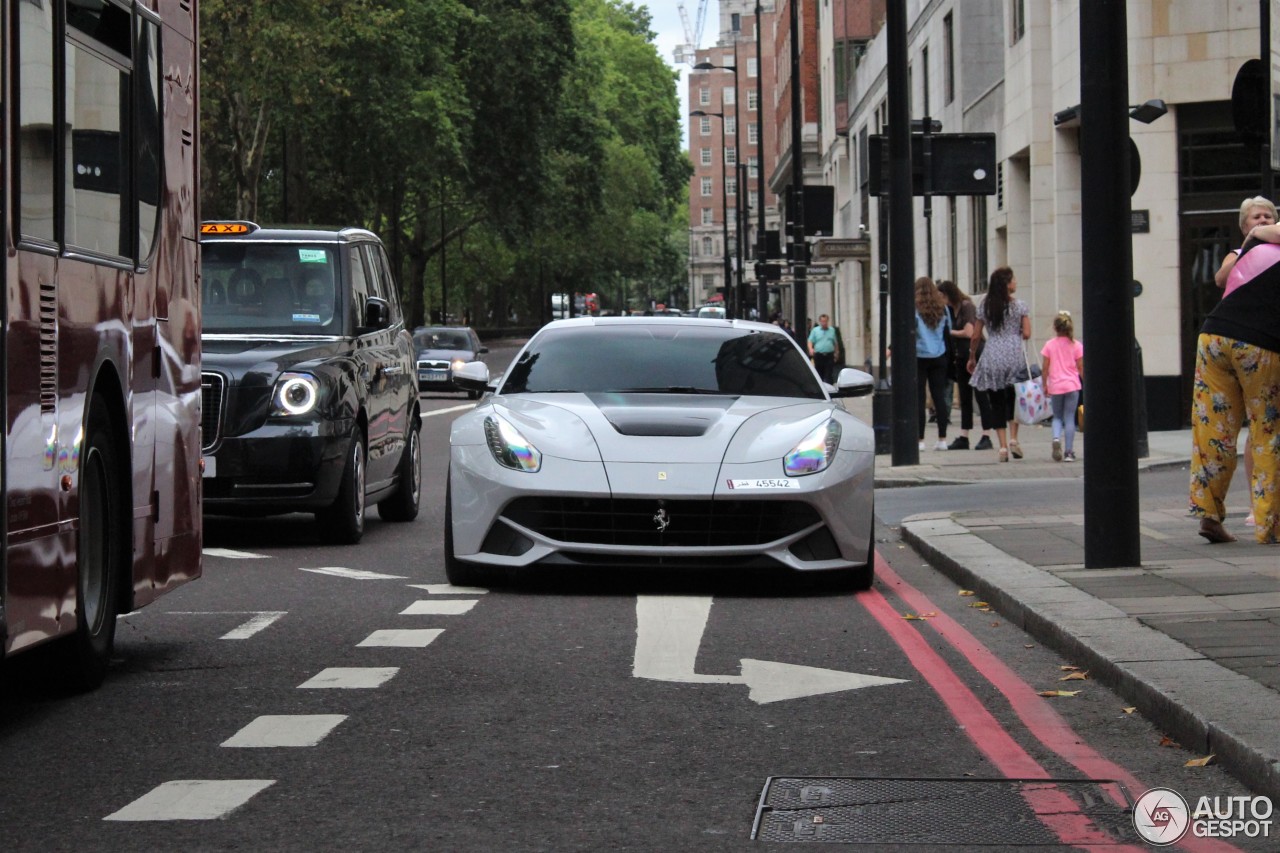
x=815, y=452
x=456, y=363
x=509, y=447
x=296, y=394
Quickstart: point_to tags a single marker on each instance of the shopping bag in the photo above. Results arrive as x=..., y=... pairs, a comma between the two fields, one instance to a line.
x=1033, y=404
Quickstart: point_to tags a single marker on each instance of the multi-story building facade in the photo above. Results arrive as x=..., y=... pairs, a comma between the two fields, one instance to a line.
x=730, y=135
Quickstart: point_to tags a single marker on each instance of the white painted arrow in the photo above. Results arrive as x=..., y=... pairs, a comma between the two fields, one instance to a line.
x=669, y=630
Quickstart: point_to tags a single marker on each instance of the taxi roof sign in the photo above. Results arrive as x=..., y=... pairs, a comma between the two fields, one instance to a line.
x=239, y=227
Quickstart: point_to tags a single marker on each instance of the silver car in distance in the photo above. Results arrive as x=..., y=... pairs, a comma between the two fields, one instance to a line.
x=660, y=442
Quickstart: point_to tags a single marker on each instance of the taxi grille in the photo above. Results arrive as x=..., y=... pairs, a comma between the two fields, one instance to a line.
x=212, y=388
x=636, y=522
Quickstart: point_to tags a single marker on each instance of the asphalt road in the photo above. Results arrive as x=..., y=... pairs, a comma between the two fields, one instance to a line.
x=571, y=712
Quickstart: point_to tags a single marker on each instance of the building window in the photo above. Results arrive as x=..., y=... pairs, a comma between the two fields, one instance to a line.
x=735, y=22
x=924, y=77
x=840, y=67
x=948, y=58
x=731, y=186
x=979, y=243
x=753, y=100
x=704, y=125
x=709, y=282
x=730, y=156
x=753, y=133
x=704, y=97
x=708, y=247
x=753, y=67
x=729, y=96
x=706, y=186
x=731, y=125
x=705, y=154
x=1000, y=185
x=753, y=167
x=1018, y=21
x=707, y=216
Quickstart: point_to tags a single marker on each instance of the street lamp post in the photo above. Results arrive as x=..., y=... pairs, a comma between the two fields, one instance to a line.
x=762, y=293
x=724, y=203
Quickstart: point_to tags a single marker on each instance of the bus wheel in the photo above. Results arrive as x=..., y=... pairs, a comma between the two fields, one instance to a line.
x=404, y=501
x=343, y=522
x=98, y=555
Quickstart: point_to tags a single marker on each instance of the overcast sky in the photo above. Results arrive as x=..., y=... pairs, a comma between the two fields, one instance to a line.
x=666, y=23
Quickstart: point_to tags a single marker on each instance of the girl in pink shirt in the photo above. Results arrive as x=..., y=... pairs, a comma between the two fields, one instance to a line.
x=1063, y=366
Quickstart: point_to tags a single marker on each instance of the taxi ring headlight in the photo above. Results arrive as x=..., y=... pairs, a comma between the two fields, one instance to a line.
x=296, y=394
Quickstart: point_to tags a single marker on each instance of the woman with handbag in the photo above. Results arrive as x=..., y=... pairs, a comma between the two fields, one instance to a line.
x=1007, y=323
x=964, y=315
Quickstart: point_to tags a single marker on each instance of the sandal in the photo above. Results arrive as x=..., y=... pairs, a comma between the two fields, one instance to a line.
x=1015, y=449
x=1212, y=529
x=1004, y=454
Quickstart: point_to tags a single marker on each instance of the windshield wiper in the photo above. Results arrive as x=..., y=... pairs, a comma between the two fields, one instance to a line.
x=672, y=389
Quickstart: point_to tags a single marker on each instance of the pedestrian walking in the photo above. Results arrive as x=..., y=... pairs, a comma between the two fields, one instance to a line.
x=1062, y=367
x=933, y=330
x=1237, y=376
x=824, y=348
x=1253, y=212
x=964, y=314
x=1006, y=322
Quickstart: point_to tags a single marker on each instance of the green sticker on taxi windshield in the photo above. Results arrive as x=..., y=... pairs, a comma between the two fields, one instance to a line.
x=313, y=256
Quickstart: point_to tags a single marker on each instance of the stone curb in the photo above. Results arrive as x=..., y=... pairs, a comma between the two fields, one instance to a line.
x=901, y=481
x=1204, y=706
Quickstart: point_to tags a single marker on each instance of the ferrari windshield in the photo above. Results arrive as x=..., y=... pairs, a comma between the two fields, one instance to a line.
x=270, y=288
x=663, y=358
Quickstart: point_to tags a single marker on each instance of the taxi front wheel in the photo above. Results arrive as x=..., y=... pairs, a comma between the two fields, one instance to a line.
x=342, y=523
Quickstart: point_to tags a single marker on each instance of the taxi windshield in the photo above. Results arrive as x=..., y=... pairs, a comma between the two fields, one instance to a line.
x=251, y=288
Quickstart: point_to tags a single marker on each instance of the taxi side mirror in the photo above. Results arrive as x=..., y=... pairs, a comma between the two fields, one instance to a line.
x=377, y=314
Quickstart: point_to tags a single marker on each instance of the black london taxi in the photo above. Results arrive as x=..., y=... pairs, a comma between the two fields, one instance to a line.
x=309, y=392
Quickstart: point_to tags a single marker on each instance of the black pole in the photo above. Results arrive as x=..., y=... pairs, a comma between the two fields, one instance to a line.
x=799, y=272
x=444, y=290
x=724, y=214
x=882, y=402
x=762, y=289
x=1264, y=30
x=740, y=295
x=739, y=199
x=1111, y=537
x=902, y=245
x=926, y=151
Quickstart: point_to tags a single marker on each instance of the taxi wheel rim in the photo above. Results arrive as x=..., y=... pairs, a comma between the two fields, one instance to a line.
x=415, y=459
x=358, y=461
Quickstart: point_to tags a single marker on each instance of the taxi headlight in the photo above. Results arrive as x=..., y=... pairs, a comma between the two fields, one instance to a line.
x=814, y=452
x=296, y=394
x=509, y=447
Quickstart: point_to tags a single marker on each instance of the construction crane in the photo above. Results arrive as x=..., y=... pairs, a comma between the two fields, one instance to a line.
x=688, y=52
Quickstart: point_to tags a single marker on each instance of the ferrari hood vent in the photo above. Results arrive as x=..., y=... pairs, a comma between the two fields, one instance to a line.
x=676, y=415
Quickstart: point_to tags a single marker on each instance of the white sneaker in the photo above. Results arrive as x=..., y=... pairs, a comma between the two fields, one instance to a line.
x=1057, y=450
x=922, y=445
x=941, y=445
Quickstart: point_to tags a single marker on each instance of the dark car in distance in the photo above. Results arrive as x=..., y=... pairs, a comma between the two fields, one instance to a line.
x=309, y=400
x=443, y=349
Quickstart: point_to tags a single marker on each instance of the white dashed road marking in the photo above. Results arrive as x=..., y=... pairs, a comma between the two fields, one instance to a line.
x=233, y=555
x=352, y=677
x=449, y=589
x=261, y=619
x=354, y=574
x=407, y=638
x=448, y=410
x=439, y=607
x=286, y=730
x=192, y=799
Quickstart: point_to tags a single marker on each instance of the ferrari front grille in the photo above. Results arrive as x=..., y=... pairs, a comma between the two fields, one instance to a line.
x=661, y=523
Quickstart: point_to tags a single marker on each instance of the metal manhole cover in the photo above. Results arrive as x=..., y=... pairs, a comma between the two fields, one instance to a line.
x=950, y=812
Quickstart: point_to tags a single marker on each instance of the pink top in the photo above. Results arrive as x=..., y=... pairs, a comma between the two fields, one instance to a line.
x=1063, y=353
x=1254, y=262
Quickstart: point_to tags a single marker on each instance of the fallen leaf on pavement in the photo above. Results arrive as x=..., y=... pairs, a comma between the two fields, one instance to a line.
x=1168, y=741
x=1029, y=645
x=1068, y=668
x=977, y=604
x=1129, y=710
x=1075, y=676
x=966, y=592
x=1200, y=762
x=1055, y=693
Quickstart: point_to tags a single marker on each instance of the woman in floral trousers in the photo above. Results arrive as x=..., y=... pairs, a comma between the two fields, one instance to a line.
x=1238, y=376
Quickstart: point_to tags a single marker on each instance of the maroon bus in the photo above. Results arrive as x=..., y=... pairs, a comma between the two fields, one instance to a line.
x=100, y=350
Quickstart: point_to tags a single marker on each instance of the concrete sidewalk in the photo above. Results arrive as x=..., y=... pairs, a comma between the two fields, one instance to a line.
x=1191, y=637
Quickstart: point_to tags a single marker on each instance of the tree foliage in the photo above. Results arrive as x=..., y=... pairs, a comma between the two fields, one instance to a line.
x=534, y=143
